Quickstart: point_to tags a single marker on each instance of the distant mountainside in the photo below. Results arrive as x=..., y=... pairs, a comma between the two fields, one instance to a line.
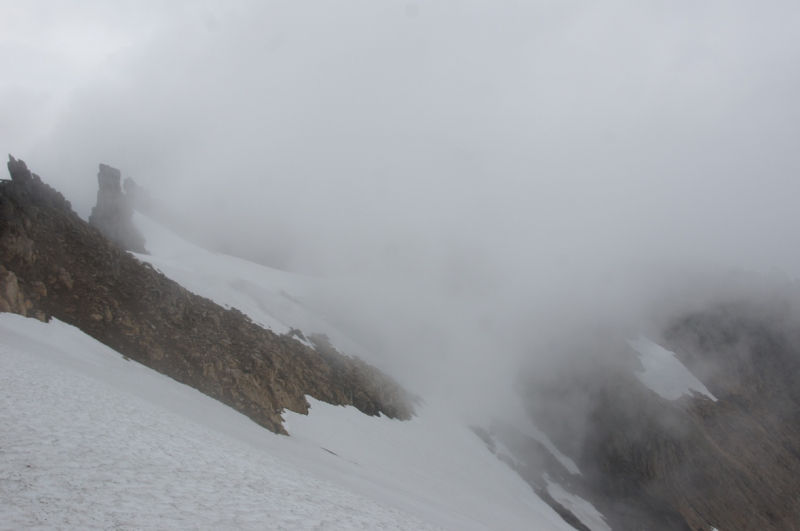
x=54, y=264
x=657, y=454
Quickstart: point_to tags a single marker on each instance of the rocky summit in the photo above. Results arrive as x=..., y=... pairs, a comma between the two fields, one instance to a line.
x=54, y=264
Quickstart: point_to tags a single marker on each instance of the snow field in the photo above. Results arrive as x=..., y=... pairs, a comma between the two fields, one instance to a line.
x=97, y=442
x=78, y=453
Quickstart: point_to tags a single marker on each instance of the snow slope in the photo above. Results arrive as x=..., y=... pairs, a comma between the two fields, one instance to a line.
x=92, y=441
x=86, y=450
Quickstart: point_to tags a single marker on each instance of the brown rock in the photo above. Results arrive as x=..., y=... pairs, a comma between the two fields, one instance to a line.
x=65, y=278
x=39, y=288
x=9, y=288
x=156, y=353
x=12, y=299
x=19, y=246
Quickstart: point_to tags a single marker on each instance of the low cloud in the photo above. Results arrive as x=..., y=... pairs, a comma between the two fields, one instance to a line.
x=490, y=172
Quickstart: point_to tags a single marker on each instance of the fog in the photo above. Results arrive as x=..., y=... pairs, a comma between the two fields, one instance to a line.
x=473, y=176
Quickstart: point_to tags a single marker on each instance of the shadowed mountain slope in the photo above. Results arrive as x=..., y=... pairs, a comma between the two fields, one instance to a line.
x=725, y=459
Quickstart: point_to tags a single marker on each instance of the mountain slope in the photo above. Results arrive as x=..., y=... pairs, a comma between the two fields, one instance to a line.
x=65, y=268
x=89, y=444
x=701, y=433
x=97, y=441
x=94, y=441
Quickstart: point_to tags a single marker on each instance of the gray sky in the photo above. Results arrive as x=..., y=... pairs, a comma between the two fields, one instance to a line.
x=462, y=147
x=362, y=135
x=394, y=137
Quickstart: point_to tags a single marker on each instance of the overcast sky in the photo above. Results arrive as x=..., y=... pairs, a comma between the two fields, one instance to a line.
x=460, y=141
x=502, y=170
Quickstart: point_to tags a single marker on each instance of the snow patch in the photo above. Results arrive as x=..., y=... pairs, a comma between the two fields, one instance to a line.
x=664, y=373
x=582, y=509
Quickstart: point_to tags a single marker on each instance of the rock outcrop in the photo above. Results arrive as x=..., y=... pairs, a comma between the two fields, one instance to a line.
x=56, y=265
x=113, y=213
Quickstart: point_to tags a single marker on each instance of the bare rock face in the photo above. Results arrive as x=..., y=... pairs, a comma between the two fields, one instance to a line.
x=11, y=297
x=112, y=214
x=54, y=264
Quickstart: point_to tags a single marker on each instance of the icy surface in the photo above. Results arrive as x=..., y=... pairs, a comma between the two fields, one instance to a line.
x=664, y=373
x=92, y=441
x=582, y=509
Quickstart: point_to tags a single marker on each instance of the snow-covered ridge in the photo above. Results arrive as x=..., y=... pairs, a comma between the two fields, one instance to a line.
x=664, y=373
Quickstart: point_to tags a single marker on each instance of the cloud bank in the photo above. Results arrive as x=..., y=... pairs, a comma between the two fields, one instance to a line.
x=507, y=160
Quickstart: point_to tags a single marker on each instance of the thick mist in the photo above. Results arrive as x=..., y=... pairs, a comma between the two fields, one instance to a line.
x=476, y=179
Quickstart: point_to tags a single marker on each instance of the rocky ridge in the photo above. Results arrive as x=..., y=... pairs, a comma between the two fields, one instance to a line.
x=54, y=264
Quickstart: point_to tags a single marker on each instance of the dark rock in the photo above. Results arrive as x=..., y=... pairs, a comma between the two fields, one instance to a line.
x=20, y=175
x=113, y=214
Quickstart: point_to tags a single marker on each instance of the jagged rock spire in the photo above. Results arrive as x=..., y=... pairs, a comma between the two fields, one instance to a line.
x=112, y=214
x=19, y=172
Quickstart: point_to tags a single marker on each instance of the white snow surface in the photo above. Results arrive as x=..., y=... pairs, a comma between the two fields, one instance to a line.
x=582, y=509
x=90, y=440
x=664, y=373
x=87, y=444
